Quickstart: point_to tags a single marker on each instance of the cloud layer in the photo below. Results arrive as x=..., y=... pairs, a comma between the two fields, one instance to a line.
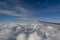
x=32, y=31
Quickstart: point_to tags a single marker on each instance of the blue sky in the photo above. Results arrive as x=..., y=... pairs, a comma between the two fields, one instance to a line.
x=18, y=11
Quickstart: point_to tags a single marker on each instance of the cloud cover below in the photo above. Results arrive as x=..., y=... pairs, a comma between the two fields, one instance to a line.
x=32, y=31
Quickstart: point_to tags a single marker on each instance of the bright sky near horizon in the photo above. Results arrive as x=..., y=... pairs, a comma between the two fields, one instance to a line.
x=18, y=11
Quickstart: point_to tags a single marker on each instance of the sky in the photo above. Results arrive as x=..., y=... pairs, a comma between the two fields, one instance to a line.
x=26, y=11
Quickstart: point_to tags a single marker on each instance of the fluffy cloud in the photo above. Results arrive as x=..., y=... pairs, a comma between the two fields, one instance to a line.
x=36, y=32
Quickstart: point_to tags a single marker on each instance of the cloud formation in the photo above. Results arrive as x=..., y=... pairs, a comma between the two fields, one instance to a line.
x=28, y=10
x=29, y=31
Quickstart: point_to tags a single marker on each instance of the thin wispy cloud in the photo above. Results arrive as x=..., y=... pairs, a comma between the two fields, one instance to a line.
x=24, y=13
x=12, y=13
x=29, y=9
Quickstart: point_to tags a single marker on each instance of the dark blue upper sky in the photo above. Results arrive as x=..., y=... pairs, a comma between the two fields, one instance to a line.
x=18, y=11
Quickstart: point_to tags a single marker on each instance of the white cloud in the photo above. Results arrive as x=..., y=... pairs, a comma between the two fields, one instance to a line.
x=40, y=31
x=24, y=13
x=7, y=12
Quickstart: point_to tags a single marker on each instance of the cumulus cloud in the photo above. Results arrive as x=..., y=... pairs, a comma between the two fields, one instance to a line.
x=29, y=31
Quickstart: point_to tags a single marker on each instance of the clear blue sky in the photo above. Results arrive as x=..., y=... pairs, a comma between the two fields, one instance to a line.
x=18, y=11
